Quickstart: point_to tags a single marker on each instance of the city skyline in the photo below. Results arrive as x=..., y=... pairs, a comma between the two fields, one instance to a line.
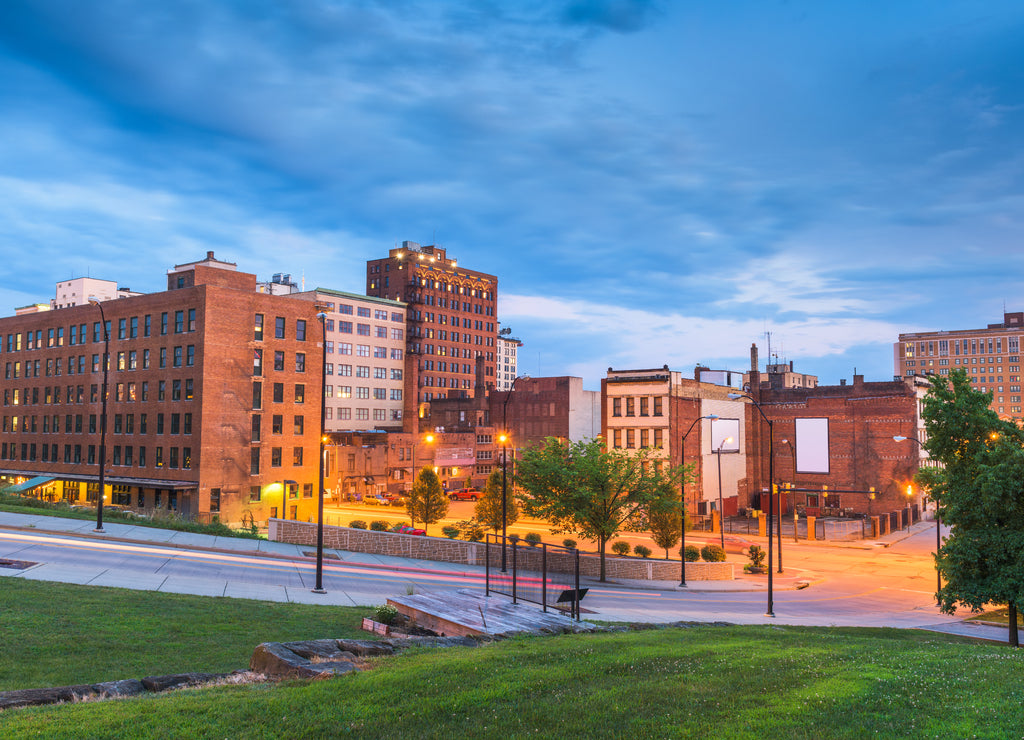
x=651, y=184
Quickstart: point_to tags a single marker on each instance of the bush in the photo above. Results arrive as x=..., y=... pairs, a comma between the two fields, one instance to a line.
x=691, y=553
x=532, y=539
x=451, y=532
x=471, y=529
x=357, y=524
x=756, y=555
x=386, y=614
x=713, y=553
x=571, y=544
x=379, y=525
x=621, y=547
x=642, y=551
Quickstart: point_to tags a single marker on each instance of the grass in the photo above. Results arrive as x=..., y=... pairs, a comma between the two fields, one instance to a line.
x=999, y=616
x=59, y=634
x=160, y=520
x=721, y=682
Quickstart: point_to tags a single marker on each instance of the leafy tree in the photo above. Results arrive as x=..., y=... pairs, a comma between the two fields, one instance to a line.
x=488, y=508
x=979, y=491
x=582, y=488
x=427, y=502
x=664, y=522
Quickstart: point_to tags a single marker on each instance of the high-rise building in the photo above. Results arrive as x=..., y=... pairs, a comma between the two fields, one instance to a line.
x=213, y=403
x=451, y=318
x=508, y=360
x=990, y=356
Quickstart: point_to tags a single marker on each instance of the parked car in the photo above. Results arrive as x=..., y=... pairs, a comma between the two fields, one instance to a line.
x=406, y=529
x=464, y=494
x=737, y=544
x=394, y=499
x=374, y=500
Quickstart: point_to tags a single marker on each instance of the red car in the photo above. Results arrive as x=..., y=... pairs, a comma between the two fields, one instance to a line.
x=464, y=494
x=406, y=529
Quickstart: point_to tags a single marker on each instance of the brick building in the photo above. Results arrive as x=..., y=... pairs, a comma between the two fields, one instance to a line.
x=202, y=418
x=833, y=444
x=451, y=319
x=990, y=356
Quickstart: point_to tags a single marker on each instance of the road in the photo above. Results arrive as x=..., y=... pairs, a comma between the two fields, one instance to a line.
x=892, y=586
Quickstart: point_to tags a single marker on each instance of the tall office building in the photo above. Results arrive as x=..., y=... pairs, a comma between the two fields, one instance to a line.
x=991, y=356
x=451, y=319
x=213, y=402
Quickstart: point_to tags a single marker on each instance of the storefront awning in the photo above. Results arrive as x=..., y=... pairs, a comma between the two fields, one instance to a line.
x=31, y=483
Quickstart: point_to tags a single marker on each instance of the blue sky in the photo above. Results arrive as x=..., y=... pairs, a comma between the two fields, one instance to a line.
x=653, y=182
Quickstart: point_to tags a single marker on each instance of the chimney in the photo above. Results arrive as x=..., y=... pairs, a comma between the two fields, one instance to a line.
x=753, y=358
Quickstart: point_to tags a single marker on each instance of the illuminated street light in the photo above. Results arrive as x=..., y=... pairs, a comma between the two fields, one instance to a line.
x=771, y=491
x=682, y=498
x=504, y=467
x=721, y=510
x=103, y=413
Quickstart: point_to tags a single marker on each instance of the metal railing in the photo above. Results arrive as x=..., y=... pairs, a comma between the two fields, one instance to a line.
x=544, y=574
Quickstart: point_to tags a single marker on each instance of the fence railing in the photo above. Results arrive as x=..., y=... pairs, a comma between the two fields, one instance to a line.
x=544, y=574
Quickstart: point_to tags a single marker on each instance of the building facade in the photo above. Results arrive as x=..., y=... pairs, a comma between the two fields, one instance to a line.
x=201, y=419
x=507, y=360
x=451, y=318
x=990, y=356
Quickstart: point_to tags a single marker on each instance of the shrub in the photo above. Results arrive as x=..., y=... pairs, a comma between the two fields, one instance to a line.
x=713, y=553
x=471, y=529
x=379, y=525
x=357, y=524
x=756, y=555
x=450, y=532
x=642, y=551
x=571, y=544
x=691, y=553
x=532, y=539
x=386, y=614
x=621, y=547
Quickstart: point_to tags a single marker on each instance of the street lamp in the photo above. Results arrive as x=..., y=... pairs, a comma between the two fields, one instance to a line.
x=792, y=501
x=103, y=413
x=319, y=588
x=721, y=510
x=771, y=491
x=938, y=526
x=504, y=467
x=682, y=499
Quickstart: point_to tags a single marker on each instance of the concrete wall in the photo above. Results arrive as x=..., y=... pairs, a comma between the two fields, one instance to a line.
x=474, y=553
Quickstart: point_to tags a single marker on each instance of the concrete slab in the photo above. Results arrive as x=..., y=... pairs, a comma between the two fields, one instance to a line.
x=197, y=586
x=62, y=573
x=236, y=544
x=191, y=539
x=258, y=592
x=137, y=582
x=306, y=596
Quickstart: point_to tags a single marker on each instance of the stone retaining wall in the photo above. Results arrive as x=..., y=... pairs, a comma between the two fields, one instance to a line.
x=445, y=550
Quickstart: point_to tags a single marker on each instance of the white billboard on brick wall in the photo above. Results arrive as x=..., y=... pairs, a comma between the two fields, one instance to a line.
x=812, y=445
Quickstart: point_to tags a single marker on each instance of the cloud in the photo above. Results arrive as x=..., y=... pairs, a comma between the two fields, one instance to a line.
x=622, y=16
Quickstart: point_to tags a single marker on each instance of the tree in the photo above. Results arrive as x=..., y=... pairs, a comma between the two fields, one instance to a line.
x=427, y=502
x=488, y=508
x=979, y=492
x=664, y=522
x=581, y=488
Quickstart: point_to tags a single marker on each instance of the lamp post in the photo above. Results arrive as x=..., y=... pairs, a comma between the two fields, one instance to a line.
x=103, y=413
x=721, y=510
x=771, y=491
x=504, y=468
x=938, y=526
x=682, y=499
x=792, y=500
x=319, y=588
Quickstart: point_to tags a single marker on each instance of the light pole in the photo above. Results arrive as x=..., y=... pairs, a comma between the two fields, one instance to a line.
x=938, y=526
x=721, y=510
x=103, y=413
x=771, y=491
x=504, y=467
x=319, y=588
x=792, y=500
x=682, y=498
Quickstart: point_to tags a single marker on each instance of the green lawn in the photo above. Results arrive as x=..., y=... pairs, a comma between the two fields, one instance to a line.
x=706, y=682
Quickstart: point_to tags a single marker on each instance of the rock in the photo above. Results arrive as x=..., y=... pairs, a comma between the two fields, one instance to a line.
x=125, y=687
x=55, y=695
x=364, y=648
x=179, y=680
x=277, y=660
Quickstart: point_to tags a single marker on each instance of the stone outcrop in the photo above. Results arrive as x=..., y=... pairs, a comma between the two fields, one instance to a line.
x=105, y=690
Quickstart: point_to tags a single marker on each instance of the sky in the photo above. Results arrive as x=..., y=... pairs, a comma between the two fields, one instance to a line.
x=653, y=183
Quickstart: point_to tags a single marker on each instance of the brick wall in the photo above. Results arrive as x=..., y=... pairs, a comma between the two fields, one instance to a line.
x=474, y=553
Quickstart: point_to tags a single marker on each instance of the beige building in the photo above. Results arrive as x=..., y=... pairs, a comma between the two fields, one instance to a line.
x=365, y=355
x=991, y=356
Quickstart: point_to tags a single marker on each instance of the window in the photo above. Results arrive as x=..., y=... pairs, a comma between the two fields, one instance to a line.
x=616, y=408
x=278, y=360
x=362, y=392
x=362, y=371
x=177, y=356
x=300, y=362
x=257, y=362
x=643, y=408
x=363, y=330
x=254, y=461
x=191, y=319
x=179, y=322
x=277, y=424
x=362, y=350
x=657, y=405
x=300, y=330
x=344, y=348
x=363, y=312
x=190, y=356
x=396, y=374
x=215, y=500
x=630, y=407
x=258, y=332
x=300, y=393
x=297, y=456
x=279, y=327
x=257, y=395
x=275, y=457
x=278, y=392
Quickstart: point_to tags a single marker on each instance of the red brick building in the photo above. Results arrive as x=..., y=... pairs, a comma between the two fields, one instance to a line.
x=839, y=437
x=213, y=398
x=451, y=319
